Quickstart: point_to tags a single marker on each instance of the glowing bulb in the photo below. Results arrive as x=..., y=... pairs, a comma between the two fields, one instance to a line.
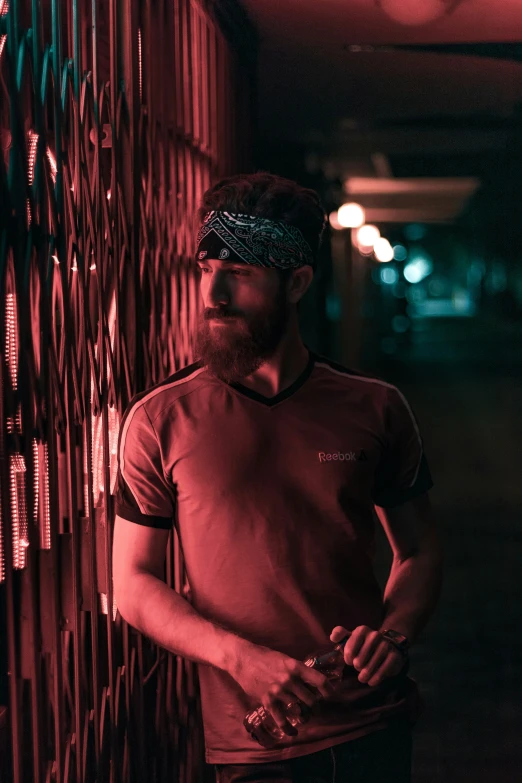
x=383, y=250
x=368, y=235
x=351, y=215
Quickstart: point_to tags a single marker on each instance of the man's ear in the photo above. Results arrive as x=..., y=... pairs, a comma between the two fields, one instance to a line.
x=299, y=283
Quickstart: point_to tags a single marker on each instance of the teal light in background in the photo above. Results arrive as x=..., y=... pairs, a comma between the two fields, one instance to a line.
x=418, y=267
x=389, y=275
x=333, y=307
x=476, y=272
x=416, y=294
x=399, y=290
x=414, y=231
x=439, y=286
x=497, y=278
x=400, y=253
x=376, y=275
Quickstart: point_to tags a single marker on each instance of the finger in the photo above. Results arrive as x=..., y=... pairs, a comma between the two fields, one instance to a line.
x=354, y=643
x=378, y=657
x=338, y=633
x=276, y=708
x=390, y=666
x=365, y=652
x=321, y=684
x=306, y=694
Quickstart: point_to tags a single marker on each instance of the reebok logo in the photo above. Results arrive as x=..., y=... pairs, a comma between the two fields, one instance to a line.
x=348, y=456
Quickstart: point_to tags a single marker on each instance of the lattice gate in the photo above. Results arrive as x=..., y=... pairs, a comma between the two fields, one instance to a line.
x=115, y=115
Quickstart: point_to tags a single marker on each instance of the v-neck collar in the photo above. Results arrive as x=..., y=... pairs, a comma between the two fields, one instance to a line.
x=283, y=395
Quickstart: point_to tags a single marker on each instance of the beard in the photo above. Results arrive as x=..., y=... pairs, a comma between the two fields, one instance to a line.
x=240, y=346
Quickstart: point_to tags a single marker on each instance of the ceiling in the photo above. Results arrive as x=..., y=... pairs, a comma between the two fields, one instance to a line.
x=334, y=22
x=326, y=86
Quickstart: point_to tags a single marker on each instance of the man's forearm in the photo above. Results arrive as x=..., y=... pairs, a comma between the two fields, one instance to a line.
x=412, y=592
x=160, y=613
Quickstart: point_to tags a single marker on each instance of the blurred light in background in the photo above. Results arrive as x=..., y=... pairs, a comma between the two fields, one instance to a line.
x=333, y=307
x=418, y=267
x=476, y=272
x=462, y=302
x=334, y=221
x=497, y=278
x=399, y=290
x=376, y=274
x=389, y=275
x=416, y=295
x=383, y=250
x=351, y=215
x=400, y=253
x=414, y=231
x=438, y=286
x=367, y=236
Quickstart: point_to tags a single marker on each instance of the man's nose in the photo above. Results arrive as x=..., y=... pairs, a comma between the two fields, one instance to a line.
x=218, y=291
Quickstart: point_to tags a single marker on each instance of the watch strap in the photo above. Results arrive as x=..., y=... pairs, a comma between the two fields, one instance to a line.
x=402, y=645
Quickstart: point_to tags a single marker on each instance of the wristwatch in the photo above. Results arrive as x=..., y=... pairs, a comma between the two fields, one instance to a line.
x=397, y=639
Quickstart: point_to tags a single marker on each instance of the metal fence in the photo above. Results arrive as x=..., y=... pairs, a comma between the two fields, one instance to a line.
x=115, y=115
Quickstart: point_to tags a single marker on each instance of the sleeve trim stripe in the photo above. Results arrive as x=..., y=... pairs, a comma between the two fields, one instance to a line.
x=131, y=515
x=417, y=432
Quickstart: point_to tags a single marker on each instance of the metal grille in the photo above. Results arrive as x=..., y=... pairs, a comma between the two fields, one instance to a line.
x=115, y=115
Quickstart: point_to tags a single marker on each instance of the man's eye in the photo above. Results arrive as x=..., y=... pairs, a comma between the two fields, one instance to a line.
x=204, y=269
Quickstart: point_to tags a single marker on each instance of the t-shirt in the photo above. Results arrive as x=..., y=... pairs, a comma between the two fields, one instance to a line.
x=273, y=500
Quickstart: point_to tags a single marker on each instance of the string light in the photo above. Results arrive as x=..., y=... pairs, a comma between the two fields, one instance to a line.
x=367, y=235
x=351, y=215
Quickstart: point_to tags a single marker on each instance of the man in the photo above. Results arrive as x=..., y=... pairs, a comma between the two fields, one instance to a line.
x=274, y=463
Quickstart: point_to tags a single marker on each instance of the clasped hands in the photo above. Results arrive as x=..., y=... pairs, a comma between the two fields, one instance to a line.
x=373, y=656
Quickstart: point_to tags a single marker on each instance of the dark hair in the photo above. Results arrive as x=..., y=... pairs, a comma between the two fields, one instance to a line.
x=269, y=196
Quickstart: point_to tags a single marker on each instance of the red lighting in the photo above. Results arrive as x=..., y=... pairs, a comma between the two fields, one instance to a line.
x=413, y=12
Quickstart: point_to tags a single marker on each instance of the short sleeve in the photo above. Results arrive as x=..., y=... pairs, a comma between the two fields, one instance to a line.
x=403, y=471
x=142, y=493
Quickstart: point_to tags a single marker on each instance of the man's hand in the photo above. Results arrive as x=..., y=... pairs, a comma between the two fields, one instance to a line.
x=274, y=679
x=374, y=657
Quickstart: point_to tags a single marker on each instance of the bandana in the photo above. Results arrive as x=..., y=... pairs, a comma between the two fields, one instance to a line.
x=252, y=240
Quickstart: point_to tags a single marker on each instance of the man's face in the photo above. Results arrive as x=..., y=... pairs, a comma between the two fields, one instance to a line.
x=245, y=316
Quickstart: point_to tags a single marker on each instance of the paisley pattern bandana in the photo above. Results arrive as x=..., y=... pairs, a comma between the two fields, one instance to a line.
x=252, y=240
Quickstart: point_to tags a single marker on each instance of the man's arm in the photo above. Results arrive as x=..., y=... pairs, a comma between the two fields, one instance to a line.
x=414, y=583
x=411, y=592
x=147, y=603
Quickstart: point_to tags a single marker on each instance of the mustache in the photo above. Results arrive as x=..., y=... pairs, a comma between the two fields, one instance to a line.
x=220, y=314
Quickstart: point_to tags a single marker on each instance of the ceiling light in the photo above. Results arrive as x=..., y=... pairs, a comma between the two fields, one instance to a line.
x=416, y=12
x=383, y=250
x=351, y=215
x=367, y=236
